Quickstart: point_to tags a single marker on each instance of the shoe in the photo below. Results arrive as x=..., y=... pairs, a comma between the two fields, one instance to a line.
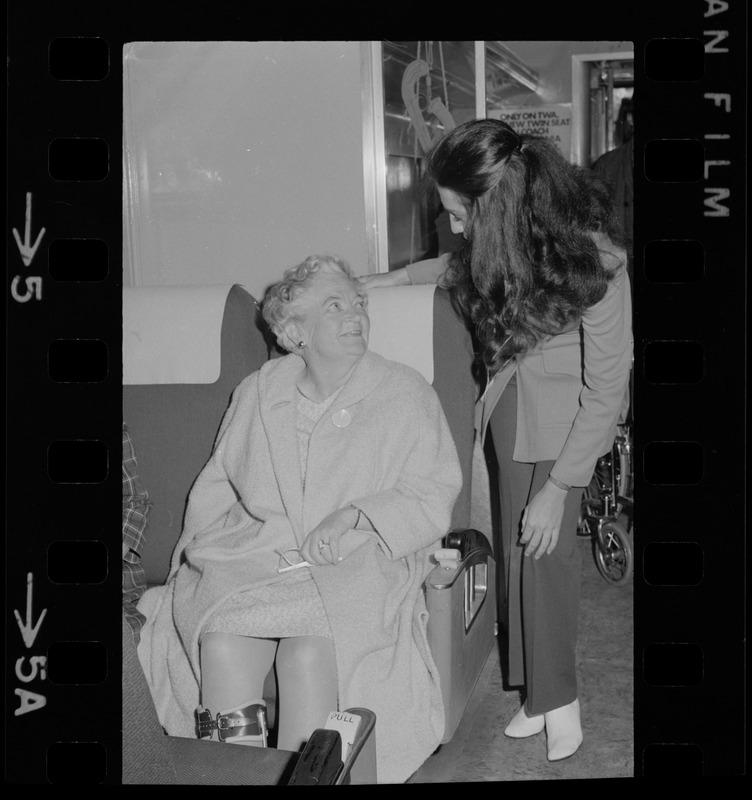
x=564, y=731
x=522, y=726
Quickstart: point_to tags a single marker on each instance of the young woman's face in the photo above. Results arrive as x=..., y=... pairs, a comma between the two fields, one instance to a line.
x=455, y=208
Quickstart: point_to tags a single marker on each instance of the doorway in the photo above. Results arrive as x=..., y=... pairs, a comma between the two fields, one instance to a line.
x=602, y=104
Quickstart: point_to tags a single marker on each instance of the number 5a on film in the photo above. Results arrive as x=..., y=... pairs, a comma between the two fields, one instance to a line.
x=37, y=666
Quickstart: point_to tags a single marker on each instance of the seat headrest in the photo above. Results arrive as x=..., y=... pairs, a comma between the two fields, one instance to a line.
x=172, y=334
x=402, y=325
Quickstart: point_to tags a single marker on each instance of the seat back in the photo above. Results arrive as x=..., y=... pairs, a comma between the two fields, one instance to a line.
x=417, y=325
x=185, y=349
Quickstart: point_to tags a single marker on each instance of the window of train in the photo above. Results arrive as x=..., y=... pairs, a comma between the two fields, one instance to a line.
x=429, y=87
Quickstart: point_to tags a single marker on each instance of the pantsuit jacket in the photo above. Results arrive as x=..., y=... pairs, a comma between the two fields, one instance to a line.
x=572, y=388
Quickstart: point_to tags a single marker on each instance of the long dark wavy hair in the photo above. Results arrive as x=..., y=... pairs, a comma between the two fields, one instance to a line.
x=529, y=265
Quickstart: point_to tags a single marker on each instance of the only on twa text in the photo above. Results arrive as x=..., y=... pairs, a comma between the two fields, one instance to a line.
x=716, y=195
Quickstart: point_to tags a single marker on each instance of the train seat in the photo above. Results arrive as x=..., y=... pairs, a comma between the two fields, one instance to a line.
x=173, y=408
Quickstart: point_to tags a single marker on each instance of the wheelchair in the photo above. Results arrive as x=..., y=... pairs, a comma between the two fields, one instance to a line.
x=606, y=514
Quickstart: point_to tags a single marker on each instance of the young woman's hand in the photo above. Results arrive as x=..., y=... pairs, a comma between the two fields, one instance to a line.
x=541, y=521
x=378, y=280
x=321, y=546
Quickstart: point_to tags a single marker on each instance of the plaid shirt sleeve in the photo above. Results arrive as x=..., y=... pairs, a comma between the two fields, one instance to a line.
x=136, y=507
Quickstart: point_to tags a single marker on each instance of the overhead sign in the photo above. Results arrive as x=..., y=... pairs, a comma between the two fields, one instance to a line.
x=552, y=121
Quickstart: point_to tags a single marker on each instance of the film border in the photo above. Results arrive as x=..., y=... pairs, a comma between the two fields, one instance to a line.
x=40, y=512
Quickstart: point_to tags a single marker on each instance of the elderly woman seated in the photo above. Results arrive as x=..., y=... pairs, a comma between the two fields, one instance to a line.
x=307, y=540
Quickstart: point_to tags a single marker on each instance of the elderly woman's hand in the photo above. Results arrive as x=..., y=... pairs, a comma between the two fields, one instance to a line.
x=321, y=546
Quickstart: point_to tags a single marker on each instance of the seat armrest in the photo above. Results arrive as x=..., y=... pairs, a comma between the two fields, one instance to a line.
x=322, y=761
x=460, y=550
x=461, y=603
x=468, y=541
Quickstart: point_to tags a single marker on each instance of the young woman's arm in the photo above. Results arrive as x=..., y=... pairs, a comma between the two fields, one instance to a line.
x=607, y=358
x=428, y=271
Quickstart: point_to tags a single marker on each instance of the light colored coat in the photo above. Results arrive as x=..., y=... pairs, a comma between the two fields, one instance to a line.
x=397, y=462
x=572, y=388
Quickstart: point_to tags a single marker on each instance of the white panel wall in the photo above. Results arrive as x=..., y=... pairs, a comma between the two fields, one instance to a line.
x=241, y=159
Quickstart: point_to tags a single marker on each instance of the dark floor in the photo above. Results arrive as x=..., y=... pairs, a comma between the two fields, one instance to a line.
x=480, y=752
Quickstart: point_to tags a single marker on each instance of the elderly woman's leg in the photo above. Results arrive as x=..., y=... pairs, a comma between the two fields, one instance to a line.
x=307, y=676
x=233, y=670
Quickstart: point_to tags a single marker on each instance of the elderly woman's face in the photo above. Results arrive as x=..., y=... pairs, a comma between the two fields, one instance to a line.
x=335, y=322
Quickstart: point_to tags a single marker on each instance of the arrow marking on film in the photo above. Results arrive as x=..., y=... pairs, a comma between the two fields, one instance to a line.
x=27, y=250
x=28, y=631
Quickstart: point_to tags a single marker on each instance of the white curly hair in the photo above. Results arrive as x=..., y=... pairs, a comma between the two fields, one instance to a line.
x=282, y=300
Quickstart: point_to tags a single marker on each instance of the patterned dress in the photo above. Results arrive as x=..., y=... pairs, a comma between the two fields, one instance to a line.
x=292, y=606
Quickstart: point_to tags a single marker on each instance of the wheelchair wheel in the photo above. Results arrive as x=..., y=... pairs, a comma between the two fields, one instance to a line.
x=613, y=553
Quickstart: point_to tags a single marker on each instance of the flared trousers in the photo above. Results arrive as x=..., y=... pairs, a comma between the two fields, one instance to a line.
x=542, y=596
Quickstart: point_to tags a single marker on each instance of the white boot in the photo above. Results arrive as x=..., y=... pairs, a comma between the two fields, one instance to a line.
x=523, y=726
x=564, y=731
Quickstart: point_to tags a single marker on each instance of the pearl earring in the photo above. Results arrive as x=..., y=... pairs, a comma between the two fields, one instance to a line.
x=301, y=343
